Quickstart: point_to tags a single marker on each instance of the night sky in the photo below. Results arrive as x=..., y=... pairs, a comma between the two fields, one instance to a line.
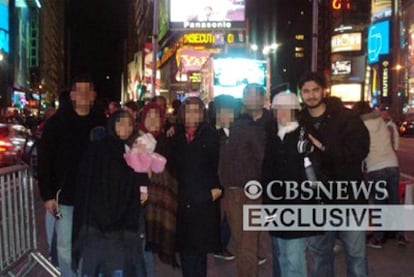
x=97, y=29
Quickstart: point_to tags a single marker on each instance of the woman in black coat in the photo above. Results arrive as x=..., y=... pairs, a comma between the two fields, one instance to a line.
x=106, y=212
x=284, y=162
x=196, y=149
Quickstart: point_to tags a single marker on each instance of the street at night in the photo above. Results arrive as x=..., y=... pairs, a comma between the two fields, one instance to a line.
x=143, y=138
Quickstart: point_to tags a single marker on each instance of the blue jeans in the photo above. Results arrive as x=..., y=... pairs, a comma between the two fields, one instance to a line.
x=50, y=226
x=289, y=257
x=321, y=250
x=392, y=176
x=64, y=241
x=146, y=266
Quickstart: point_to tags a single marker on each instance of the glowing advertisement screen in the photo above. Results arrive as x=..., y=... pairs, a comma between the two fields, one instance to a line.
x=346, y=42
x=347, y=92
x=378, y=41
x=343, y=67
x=231, y=75
x=4, y=25
x=207, y=14
x=380, y=9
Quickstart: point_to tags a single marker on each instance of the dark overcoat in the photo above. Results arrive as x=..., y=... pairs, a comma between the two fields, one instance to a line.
x=196, y=165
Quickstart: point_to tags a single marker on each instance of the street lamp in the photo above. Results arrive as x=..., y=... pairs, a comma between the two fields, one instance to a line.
x=1, y=57
x=269, y=49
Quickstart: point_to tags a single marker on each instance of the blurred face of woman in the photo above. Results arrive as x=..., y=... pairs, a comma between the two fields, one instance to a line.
x=152, y=121
x=284, y=116
x=124, y=127
x=193, y=115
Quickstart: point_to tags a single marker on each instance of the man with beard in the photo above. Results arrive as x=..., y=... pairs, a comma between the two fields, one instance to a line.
x=341, y=144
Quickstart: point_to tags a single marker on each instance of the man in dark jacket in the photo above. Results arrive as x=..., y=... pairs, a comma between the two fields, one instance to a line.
x=341, y=144
x=64, y=140
x=241, y=156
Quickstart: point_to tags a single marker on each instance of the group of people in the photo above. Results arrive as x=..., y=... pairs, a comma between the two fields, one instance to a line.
x=146, y=185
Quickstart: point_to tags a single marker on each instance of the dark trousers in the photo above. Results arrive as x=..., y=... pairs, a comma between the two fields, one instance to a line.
x=193, y=264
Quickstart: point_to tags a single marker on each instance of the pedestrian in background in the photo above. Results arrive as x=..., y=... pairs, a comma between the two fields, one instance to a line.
x=392, y=128
x=381, y=165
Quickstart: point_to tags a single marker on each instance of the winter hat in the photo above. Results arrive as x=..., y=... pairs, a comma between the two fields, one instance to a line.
x=149, y=141
x=285, y=100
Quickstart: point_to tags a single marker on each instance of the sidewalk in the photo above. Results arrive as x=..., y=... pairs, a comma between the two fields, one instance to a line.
x=388, y=261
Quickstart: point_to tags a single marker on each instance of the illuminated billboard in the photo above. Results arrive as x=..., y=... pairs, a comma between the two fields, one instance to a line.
x=378, y=40
x=347, y=92
x=4, y=26
x=343, y=67
x=346, y=42
x=348, y=69
x=231, y=75
x=381, y=9
x=215, y=38
x=207, y=14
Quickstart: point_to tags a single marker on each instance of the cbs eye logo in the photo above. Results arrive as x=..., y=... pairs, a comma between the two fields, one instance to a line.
x=253, y=189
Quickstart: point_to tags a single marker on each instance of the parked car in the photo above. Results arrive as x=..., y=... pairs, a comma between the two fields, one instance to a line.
x=12, y=139
x=407, y=125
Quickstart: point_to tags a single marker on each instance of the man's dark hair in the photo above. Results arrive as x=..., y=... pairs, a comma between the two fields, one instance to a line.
x=257, y=87
x=83, y=78
x=224, y=102
x=361, y=107
x=312, y=76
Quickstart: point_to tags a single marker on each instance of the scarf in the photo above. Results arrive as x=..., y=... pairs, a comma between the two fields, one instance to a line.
x=284, y=129
x=190, y=133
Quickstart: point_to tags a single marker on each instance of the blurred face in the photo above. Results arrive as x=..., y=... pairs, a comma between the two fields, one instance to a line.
x=312, y=94
x=152, y=121
x=253, y=100
x=112, y=107
x=124, y=127
x=193, y=115
x=162, y=103
x=83, y=95
x=224, y=118
x=284, y=116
